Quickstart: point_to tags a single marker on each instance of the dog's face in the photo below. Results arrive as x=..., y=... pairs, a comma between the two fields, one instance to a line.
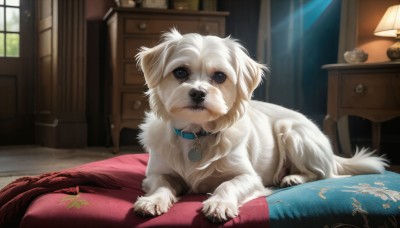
x=202, y=80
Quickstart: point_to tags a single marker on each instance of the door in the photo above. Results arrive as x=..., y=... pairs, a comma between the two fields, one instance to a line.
x=16, y=72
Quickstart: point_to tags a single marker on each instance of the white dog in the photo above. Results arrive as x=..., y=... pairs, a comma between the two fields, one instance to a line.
x=205, y=135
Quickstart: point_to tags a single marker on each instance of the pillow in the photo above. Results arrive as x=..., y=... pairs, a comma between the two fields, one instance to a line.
x=359, y=201
x=98, y=203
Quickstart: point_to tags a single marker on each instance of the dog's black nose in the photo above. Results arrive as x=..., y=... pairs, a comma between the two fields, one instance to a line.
x=197, y=96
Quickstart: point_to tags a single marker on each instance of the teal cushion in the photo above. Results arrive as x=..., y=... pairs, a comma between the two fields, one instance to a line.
x=359, y=201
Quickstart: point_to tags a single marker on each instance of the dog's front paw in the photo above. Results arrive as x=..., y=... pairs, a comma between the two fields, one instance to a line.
x=151, y=206
x=292, y=180
x=218, y=210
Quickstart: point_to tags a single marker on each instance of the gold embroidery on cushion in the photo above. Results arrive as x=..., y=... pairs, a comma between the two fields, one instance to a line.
x=74, y=201
x=359, y=210
x=383, y=193
x=321, y=192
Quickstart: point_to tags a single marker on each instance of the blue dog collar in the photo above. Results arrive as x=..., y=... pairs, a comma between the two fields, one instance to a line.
x=190, y=135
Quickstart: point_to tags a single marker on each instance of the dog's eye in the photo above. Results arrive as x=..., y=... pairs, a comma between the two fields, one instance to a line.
x=219, y=77
x=181, y=73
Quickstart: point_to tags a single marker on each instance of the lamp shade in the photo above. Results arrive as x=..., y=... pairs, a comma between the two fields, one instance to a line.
x=389, y=23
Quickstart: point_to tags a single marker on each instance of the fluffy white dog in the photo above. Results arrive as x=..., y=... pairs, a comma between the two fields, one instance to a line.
x=205, y=135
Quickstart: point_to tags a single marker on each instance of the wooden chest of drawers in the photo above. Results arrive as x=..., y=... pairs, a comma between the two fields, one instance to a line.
x=370, y=91
x=128, y=30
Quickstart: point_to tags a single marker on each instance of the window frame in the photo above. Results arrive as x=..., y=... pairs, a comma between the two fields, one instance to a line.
x=4, y=31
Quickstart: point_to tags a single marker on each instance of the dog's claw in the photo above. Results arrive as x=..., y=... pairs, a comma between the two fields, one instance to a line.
x=218, y=211
x=291, y=180
x=149, y=207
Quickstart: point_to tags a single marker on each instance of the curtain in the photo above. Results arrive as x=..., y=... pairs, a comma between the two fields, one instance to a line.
x=296, y=38
x=348, y=28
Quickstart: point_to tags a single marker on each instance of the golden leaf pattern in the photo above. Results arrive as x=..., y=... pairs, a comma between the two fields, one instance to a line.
x=321, y=192
x=357, y=208
x=386, y=205
x=74, y=201
x=381, y=192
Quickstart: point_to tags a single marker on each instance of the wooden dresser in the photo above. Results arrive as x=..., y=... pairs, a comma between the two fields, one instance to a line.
x=369, y=90
x=131, y=28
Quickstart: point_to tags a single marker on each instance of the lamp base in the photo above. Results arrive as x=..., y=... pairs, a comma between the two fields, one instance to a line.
x=393, y=52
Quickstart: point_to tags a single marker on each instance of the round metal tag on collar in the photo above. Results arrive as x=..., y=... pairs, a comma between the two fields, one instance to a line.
x=194, y=154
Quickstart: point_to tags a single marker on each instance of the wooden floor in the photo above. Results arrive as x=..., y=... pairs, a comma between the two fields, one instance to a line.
x=17, y=161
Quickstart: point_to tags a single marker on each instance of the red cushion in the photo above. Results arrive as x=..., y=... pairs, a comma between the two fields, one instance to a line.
x=101, y=205
x=113, y=208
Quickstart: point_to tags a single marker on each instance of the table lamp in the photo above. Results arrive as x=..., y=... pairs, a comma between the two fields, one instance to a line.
x=389, y=26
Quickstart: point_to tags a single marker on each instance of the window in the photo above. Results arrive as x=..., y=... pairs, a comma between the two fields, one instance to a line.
x=9, y=28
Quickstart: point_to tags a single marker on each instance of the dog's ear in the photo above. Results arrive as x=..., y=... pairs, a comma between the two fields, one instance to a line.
x=249, y=72
x=152, y=60
x=249, y=75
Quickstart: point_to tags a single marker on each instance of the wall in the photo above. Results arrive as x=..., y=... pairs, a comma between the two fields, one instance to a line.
x=370, y=13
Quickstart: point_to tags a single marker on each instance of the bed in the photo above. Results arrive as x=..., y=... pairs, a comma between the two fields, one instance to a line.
x=101, y=194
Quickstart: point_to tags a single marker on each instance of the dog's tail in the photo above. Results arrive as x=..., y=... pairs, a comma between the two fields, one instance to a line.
x=363, y=162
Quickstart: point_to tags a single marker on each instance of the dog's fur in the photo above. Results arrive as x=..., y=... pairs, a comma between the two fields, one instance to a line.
x=252, y=144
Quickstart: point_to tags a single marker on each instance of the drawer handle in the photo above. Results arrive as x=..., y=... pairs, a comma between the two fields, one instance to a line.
x=136, y=105
x=142, y=26
x=360, y=89
x=206, y=29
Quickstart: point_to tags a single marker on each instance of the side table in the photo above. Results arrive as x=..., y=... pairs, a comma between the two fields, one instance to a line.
x=367, y=90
